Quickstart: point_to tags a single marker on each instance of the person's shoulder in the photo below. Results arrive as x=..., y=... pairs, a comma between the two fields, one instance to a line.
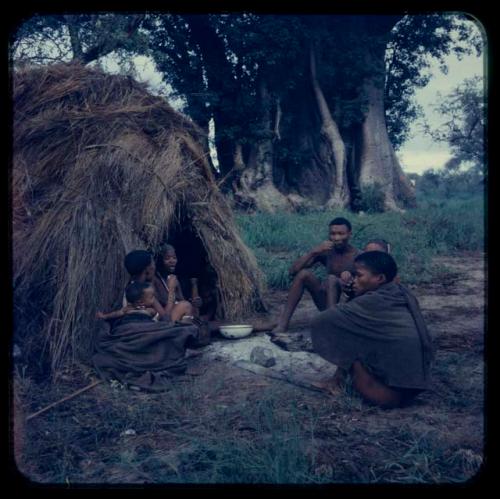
x=355, y=251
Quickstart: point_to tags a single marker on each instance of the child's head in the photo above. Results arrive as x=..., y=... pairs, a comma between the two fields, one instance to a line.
x=140, y=294
x=378, y=245
x=373, y=268
x=140, y=265
x=167, y=259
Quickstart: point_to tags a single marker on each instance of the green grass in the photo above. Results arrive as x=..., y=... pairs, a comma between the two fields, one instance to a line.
x=199, y=433
x=437, y=227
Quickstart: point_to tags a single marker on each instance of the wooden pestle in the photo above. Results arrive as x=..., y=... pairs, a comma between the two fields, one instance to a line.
x=194, y=294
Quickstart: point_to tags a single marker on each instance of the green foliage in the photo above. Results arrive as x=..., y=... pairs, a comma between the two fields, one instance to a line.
x=440, y=185
x=464, y=110
x=372, y=199
x=87, y=37
x=414, y=42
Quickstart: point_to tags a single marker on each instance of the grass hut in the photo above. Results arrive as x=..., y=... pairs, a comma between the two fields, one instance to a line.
x=102, y=167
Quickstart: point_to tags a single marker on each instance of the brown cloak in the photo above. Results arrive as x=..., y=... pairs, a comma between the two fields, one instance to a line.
x=384, y=330
x=144, y=353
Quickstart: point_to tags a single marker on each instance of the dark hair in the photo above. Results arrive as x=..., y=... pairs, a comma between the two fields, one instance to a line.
x=160, y=266
x=163, y=249
x=136, y=261
x=378, y=262
x=341, y=221
x=135, y=291
x=381, y=242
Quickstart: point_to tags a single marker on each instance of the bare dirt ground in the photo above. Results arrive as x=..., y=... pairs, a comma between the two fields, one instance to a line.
x=219, y=414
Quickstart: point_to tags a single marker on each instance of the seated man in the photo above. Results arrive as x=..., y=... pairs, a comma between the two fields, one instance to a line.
x=379, y=336
x=337, y=255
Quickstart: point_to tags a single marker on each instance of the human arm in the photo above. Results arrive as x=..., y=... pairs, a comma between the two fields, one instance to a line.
x=177, y=289
x=310, y=258
x=115, y=314
x=195, y=299
x=172, y=284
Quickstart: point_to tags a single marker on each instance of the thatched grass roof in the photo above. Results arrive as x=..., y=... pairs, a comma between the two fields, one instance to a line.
x=101, y=167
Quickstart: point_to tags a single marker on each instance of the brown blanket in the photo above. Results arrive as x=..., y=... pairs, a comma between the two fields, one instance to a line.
x=383, y=329
x=144, y=353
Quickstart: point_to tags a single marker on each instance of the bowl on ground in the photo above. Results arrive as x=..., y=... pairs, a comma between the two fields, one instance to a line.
x=236, y=331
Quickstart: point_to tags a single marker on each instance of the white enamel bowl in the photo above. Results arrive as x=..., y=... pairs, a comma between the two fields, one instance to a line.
x=236, y=331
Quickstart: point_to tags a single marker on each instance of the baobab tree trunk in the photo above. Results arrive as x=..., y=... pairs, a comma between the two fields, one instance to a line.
x=255, y=188
x=339, y=194
x=378, y=163
x=376, y=155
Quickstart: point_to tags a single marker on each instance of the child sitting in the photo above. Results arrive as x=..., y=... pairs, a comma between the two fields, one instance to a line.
x=168, y=289
x=141, y=268
x=140, y=299
x=347, y=277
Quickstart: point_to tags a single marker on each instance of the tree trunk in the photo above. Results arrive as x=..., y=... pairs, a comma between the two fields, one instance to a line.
x=378, y=163
x=339, y=194
x=255, y=187
x=221, y=84
x=304, y=162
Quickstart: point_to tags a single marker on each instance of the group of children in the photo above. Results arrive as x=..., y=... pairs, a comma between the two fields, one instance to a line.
x=154, y=292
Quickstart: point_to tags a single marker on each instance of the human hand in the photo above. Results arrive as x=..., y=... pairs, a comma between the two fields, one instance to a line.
x=172, y=281
x=99, y=315
x=324, y=247
x=151, y=311
x=346, y=277
x=346, y=281
x=197, y=302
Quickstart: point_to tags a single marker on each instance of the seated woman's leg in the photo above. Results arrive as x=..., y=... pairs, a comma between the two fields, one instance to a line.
x=333, y=385
x=181, y=309
x=374, y=390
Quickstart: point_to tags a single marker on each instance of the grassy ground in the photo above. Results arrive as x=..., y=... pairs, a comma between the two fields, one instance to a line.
x=236, y=432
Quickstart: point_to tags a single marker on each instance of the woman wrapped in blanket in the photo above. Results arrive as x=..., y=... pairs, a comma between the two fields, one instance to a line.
x=140, y=352
x=379, y=337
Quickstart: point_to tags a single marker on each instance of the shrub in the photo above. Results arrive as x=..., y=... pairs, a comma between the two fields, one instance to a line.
x=372, y=199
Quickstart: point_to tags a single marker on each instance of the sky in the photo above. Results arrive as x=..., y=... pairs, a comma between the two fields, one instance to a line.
x=419, y=153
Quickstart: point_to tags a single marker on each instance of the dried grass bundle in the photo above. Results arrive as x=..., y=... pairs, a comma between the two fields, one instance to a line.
x=101, y=167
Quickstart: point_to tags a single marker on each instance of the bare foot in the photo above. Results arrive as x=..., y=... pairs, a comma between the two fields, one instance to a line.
x=260, y=327
x=331, y=386
x=279, y=329
x=284, y=340
x=192, y=353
